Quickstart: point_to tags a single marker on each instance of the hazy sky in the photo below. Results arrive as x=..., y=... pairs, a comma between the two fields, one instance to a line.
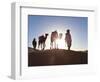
x=39, y=25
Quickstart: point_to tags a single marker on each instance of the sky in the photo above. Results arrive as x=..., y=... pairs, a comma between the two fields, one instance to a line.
x=39, y=25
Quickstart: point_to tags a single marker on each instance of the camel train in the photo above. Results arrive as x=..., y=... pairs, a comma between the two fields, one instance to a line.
x=54, y=37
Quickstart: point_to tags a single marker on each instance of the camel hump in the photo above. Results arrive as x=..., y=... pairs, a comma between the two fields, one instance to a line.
x=42, y=36
x=54, y=34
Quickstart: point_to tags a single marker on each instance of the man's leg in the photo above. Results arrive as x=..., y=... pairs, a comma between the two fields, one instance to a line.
x=68, y=47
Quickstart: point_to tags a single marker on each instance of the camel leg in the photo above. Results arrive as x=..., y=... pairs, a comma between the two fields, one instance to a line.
x=55, y=45
x=38, y=44
x=51, y=45
x=43, y=46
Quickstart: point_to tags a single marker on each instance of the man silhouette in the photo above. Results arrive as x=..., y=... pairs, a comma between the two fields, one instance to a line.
x=68, y=39
x=34, y=43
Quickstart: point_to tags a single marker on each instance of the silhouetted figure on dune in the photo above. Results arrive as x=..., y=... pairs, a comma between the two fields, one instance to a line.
x=34, y=43
x=41, y=41
x=68, y=39
x=54, y=36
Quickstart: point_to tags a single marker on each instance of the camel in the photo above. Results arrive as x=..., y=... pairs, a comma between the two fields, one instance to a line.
x=54, y=36
x=41, y=41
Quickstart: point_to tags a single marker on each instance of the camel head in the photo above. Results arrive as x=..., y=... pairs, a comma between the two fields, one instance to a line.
x=46, y=35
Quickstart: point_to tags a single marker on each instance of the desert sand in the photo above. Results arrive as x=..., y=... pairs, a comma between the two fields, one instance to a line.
x=56, y=57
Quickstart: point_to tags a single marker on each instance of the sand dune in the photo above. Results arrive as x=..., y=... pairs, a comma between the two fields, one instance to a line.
x=56, y=57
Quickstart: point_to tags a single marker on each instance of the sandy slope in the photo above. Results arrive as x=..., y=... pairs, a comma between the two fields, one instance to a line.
x=56, y=57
